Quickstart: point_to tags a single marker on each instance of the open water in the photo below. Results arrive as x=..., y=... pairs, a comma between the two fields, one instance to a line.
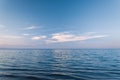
x=59, y=64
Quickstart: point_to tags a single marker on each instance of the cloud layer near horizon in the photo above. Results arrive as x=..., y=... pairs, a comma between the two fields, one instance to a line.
x=47, y=39
x=67, y=37
x=11, y=40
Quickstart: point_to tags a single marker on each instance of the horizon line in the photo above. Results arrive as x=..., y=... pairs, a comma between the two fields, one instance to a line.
x=53, y=48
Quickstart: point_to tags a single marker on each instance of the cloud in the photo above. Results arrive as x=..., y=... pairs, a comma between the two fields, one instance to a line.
x=90, y=33
x=26, y=34
x=31, y=27
x=67, y=37
x=38, y=37
x=2, y=26
x=10, y=39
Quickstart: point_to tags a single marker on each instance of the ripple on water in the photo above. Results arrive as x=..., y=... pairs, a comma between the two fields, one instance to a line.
x=83, y=64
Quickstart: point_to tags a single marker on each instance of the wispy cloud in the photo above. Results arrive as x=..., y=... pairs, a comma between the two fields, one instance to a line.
x=2, y=26
x=66, y=37
x=38, y=37
x=10, y=39
x=26, y=34
x=31, y=27
x=90, y=33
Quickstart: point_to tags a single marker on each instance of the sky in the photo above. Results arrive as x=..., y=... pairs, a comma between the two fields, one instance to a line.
x=59, y=23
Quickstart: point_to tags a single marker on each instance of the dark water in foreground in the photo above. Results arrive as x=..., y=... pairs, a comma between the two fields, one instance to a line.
x=83, y=64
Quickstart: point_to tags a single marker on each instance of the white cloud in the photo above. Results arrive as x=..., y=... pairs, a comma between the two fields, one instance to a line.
x=66, y=37
x=26, y=34
x=31, y=27
x=38, y=37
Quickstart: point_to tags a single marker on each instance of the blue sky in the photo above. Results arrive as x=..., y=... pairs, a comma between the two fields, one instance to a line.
x=59, y=23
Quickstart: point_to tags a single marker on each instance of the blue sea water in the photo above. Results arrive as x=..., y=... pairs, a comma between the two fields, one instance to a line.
x=59, y=64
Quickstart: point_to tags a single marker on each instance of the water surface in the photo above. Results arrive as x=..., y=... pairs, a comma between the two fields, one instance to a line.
x=56, y=64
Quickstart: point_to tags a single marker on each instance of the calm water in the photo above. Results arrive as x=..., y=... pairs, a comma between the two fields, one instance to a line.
x=83, y=64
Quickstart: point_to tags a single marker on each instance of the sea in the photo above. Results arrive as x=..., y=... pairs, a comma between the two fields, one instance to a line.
x=59, y=64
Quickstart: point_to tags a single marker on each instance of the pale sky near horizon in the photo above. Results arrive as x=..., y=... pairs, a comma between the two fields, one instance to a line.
x=59, y=23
